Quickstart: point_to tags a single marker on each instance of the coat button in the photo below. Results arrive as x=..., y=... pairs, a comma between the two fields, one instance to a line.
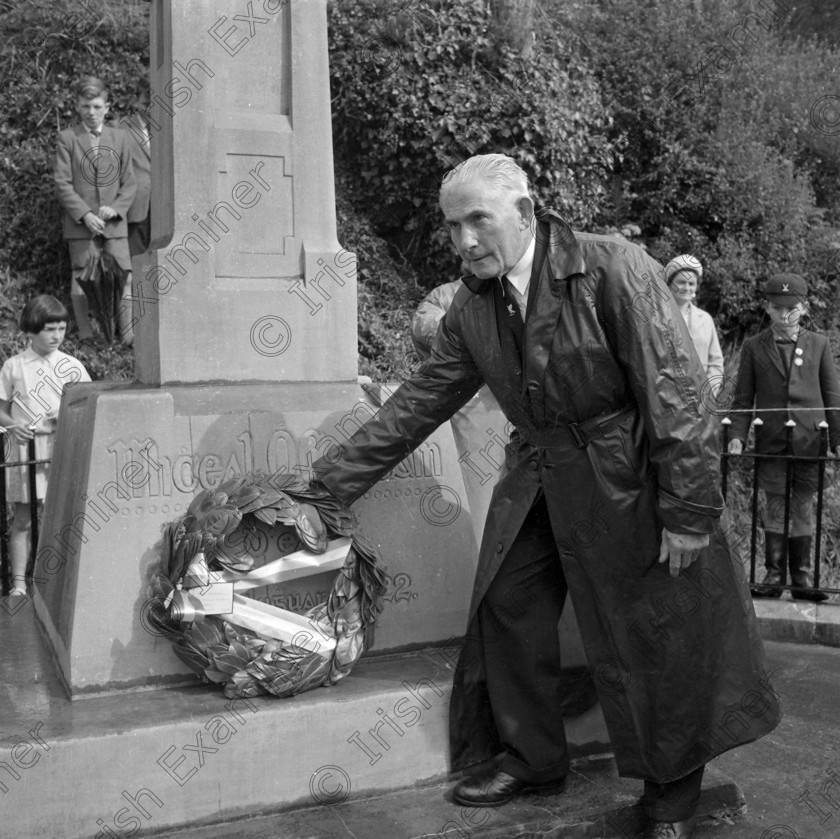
x=500, y=546
x=533, y=465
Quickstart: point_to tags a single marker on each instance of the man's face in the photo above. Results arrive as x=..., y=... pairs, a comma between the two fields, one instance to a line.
x=785, y=314
x=488, y=226
x=92, y=112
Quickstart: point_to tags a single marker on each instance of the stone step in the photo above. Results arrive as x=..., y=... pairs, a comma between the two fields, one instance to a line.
x=595, y=803
x=136, y=763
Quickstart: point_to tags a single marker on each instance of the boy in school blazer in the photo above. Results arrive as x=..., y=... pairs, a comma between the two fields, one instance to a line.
x=787, y=367
x=95, y=185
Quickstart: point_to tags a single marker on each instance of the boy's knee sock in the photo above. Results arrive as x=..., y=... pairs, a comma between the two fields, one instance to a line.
x=125, y=314
x=19, y=546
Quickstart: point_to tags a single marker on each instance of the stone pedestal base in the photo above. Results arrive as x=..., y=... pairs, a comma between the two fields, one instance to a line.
x=129, y=459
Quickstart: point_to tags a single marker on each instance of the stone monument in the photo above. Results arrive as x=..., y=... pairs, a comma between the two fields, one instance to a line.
x=245, y=355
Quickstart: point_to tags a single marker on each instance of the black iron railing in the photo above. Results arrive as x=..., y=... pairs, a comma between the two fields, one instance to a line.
x=821, y=459
x=32, y=464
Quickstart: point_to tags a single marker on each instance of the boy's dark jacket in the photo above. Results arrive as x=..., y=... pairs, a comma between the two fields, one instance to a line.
x=762, y=379
x=674, y=659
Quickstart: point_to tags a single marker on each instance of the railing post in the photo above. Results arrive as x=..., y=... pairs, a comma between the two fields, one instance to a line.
x=724, y=456
x=5, y=565
x=757, y=423
x=32, y=475
x=789, y=425
x=823, y=426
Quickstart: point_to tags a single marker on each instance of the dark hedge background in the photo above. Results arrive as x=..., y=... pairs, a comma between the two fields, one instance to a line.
x=642, y=119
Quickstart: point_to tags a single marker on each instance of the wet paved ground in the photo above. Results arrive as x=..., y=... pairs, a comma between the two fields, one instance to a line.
x=790, y=781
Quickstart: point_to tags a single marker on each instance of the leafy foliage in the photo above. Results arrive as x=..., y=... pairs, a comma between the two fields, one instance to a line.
x=719, y=155
x=46, y=48
x=734, y=161
x=388, y=292
x=418, y=88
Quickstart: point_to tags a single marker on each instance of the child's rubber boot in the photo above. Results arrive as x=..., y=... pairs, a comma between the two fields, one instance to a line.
x=775, y=561
x=799, y=560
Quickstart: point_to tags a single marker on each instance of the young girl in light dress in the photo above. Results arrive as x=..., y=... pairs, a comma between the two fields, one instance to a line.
x=31, y=384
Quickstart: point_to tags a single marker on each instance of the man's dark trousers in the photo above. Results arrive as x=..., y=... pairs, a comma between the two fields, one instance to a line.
x=518, y=620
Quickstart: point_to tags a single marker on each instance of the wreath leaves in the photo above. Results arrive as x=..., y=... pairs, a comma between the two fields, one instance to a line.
x=246, y=663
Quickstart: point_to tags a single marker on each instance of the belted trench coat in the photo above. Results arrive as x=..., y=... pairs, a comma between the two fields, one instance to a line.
x=677, y=661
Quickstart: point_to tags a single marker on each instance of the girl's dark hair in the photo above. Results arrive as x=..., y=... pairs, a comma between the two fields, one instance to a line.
x=41, y=310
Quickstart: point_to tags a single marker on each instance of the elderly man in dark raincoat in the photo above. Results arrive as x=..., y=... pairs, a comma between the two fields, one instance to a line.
x=610, y=492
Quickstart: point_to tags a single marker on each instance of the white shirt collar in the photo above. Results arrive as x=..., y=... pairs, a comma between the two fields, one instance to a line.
x=30, y=356
x=520, y=274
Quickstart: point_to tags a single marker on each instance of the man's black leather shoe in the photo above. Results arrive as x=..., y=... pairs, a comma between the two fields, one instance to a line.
x=496, y=787
x=670, y=830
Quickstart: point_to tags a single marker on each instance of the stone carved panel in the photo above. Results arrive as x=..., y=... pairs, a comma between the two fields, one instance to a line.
x=257, y=211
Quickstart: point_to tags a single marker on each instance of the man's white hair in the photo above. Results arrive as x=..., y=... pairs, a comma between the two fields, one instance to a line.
x=496, y=169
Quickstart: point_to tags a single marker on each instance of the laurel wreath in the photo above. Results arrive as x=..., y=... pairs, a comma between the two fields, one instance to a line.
x=245, y=662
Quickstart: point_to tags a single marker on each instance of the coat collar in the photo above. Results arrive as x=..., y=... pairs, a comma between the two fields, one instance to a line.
x=564, y=255
x=768, y=337
x=81, y=131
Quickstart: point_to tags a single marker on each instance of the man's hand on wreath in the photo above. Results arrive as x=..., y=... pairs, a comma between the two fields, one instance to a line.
x=681, y=549
x=735, y=446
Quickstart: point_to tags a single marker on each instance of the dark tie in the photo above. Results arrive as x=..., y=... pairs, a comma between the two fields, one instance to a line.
x=514, y=314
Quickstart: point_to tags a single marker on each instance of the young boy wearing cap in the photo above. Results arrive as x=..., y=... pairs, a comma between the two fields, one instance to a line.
x=789, y=367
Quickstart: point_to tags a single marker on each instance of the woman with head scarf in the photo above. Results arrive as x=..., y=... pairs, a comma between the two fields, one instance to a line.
x=683, y=275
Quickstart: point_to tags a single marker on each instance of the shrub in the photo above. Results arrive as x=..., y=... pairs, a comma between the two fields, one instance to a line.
x=718, y=157
x=388, y=294
x=418, y=88
x=41, y=41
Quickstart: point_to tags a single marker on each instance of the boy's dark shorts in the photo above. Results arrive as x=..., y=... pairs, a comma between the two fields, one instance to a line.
x=772, y=476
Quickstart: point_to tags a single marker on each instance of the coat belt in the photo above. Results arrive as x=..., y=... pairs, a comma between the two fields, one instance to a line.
x=577, y=434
